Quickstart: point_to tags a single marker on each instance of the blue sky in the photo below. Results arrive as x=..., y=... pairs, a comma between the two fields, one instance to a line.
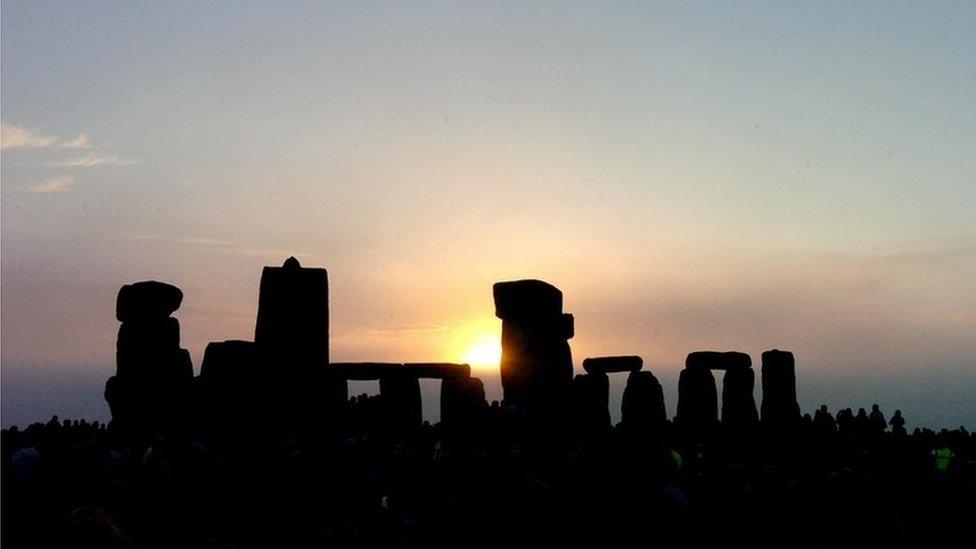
x=692, y=175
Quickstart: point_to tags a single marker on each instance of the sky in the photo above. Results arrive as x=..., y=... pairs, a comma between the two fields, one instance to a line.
x=730, y=176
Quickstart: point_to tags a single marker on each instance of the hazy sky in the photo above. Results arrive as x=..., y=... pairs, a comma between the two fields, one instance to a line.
x=692, y=176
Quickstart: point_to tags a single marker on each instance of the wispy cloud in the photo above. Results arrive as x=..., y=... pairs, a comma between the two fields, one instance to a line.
x=17, y=137
x=45, y=186
x=221, y=246
x=94, y=159
x=80, y=142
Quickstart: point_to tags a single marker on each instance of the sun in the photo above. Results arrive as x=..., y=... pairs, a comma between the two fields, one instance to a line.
x=485, y=351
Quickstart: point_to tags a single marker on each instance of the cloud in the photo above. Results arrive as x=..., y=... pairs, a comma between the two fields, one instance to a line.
x=80, y=142
x=16, y=137
x=94, y=159
x=220, y=246
x=45, y=186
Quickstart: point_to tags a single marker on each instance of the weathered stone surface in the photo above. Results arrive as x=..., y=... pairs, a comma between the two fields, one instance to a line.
x=462, y=400
x=527, y=299
x=779, y=405
x=400, y=393
x=718, y=360
x=610, y=364
x=437, y=370
x=591, y=403
x=293, y=316
x=697, y=400
x=738, y=404
x=642, y=409
x=147, y=300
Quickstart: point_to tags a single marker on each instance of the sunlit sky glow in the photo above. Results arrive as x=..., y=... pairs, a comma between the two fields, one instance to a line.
x=692, y=176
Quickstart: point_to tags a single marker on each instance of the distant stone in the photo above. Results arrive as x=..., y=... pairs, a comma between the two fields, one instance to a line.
x=462, y=400
x=779, y=405
x=147, y=300
x=697, y=400
x=591, y=400
x=400, y=394
x=718, y=360
x=520, y=299
x=293, y=318
x=610, y=364
x=738, y=404
x=642, y=408
x=229, y=361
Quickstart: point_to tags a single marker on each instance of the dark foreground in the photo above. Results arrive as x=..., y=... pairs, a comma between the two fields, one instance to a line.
x=74, y=484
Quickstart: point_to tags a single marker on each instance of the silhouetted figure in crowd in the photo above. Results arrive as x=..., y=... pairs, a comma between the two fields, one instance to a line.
x=877, y=419
x=823, y=421
x=897, y=424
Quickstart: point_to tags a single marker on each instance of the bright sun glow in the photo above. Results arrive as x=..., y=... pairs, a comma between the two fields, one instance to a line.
x=485, y=351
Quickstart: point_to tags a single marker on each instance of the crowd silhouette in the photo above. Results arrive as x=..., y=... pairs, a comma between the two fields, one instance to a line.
x=266, y=448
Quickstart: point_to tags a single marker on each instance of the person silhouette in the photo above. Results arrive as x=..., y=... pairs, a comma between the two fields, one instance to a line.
x=898, y=424
x=877, y=420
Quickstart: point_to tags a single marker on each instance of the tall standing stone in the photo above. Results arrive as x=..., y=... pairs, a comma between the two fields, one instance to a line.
x=642, y=409
x=400, y=394
x=229, y=387
x=779, y=405
x=591, y=403
x=697, y=400
x=536, y=362
x=150, y=391
x=738, y=402
x=462, y=400
x=292, y=338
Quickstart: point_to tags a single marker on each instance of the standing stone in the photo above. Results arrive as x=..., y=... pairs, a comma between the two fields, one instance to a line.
x=718, y=360
x=292, y=338
x=293, y=315
x=779, y=405
x=591, y=403
x=536, y=362
x=147, y=300
x=697, y=400
x=229, y=388
x=610, y=364
x=642, y=409
x=400, y=393
x=151, y=389
x=462, y=400
x=738, y=403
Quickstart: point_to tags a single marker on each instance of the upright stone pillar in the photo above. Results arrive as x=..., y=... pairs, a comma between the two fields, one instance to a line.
x=536, y=362
x=697, y=400
x=462, y=400
x=642, y=409
x=591, y=403
x=400, y=393
x=151, y=388
x=230, y=386
x=292, y=337
x=738, y=404
x=779, y=405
